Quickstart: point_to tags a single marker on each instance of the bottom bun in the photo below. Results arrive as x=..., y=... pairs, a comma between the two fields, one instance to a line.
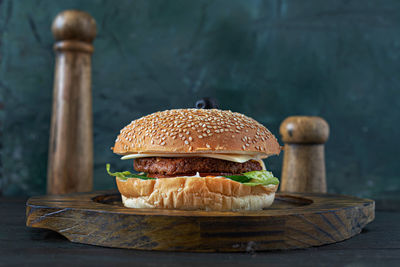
x=195, y=193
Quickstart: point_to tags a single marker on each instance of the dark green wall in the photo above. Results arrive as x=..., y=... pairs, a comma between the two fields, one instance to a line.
x=267, y=59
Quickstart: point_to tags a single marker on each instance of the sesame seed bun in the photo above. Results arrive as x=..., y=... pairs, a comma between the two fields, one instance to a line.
x=196, y=131
x=195, y=193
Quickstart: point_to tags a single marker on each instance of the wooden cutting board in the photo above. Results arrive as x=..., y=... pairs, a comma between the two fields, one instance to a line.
x=293, y=221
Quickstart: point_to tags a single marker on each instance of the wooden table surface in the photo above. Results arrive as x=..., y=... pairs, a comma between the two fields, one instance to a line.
x=377, y=245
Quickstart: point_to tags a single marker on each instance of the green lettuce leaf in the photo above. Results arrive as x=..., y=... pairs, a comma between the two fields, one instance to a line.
x=255, y=178
x=127, y=174
x=238, y=178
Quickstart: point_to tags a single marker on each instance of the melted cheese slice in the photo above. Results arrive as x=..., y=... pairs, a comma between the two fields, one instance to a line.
x=229, y=157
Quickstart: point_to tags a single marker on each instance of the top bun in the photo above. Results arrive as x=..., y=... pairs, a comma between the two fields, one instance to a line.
x=196, y=131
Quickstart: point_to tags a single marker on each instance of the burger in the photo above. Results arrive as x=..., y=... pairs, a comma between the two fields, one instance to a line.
x=196, y=159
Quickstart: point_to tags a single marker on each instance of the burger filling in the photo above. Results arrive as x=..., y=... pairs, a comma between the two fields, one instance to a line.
x=250, y=173
x=188, y=166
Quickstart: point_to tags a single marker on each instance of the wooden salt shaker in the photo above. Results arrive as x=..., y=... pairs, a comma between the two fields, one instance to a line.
x=70, y=165
x=304, y=161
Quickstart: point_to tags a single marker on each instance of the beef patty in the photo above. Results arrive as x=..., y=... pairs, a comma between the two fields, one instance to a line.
x=192, y=165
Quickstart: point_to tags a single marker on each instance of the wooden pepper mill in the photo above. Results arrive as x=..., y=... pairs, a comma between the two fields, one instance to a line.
x=70, y=165
x=304, y=161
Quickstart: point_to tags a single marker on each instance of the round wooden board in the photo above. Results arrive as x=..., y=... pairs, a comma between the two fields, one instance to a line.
x=293, y=221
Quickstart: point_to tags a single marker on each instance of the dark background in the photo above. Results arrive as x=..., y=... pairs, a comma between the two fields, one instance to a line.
x=267, y=59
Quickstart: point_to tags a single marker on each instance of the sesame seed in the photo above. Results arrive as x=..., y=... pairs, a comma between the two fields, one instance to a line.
x=186, y=142
x=200, y=136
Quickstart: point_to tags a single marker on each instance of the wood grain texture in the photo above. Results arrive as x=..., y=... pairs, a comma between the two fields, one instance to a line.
x=303, y=167
x=294, y=221
x=70, y=162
